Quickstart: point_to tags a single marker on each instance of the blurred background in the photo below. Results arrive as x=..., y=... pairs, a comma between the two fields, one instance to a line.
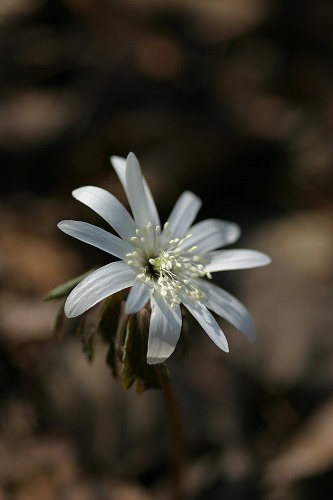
x=232, y=99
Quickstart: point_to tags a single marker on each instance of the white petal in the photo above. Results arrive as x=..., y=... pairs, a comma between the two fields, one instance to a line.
x=136, y=188
x=138, y=297
x=207, y=321
x=210, y=234
x=97, y=286
x=96, y=236
x=227, y=260
x=183, y=214
x=119, y=165
x=228, y=307
x=164, y=330
x=108, y=207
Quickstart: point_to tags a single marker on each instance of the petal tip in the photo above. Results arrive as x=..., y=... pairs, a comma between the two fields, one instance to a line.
x=223, y=344
x=251, y=334
x=155, y=361
x=69, y=312
x=265, y=259
x=116, y=159
x=76, y=193
x=194, y=196
x=132, y=162
x=131, y=156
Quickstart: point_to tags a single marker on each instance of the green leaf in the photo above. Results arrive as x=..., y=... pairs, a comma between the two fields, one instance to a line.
x=108, y=323
x=111, y=326
x=127, y=337
x=154, y=380
x=64, y=289
x=185, y=341
x=86, y=331
x=129, y=361
x=57, y=322
x=135, y=366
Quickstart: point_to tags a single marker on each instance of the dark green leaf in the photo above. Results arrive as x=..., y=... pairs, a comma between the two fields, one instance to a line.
x=111, y=326
x=65, y=288
x=129, y=361
x=108, y=323
x=127, y=337
x=86, y=332
x=135, y=366
x=185, y=341
x=57, y=322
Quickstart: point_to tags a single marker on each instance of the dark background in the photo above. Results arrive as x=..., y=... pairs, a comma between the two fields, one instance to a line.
x=232, y=99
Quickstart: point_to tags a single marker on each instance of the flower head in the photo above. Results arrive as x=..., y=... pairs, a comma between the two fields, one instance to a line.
x=165, y=265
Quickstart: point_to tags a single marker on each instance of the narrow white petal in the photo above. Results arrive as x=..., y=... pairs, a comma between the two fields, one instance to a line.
x=183, y=214
x=228, y=307
x=138, y=297
x=227, y=260
x=210, y=234
x=108, y=207
x=164, y=330
x=96, y=236
x=119, y=165
x=208, y=322
x=139, y=195
x=97, y=286
x=137, y=190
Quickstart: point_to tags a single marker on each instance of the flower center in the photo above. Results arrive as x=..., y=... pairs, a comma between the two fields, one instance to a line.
x=167, y=264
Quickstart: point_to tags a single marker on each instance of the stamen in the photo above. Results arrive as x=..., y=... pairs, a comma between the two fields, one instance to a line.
x=170, y=269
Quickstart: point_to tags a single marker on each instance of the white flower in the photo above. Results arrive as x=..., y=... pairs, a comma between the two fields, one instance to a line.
x=168, y=266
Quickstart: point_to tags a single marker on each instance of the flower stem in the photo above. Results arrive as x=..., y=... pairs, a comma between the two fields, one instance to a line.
x=177, y=440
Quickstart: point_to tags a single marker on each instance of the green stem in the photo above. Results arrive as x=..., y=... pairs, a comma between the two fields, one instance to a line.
x=177, y=451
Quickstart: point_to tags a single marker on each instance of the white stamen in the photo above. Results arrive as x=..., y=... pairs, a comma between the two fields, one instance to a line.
x=171, y=269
